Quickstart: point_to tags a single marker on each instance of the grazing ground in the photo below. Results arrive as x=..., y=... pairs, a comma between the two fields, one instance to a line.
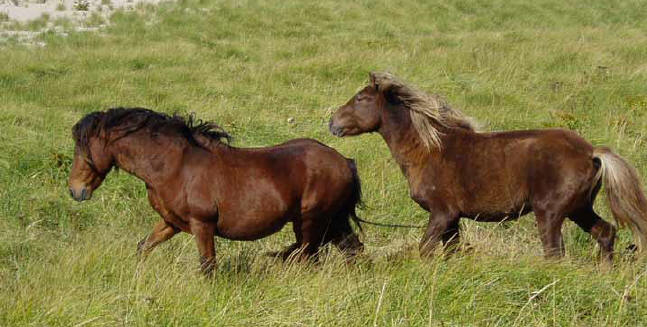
x=269, y=71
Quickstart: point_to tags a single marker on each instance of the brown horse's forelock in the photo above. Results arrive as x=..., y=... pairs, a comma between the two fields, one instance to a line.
x=129, y=120
x=86, y=128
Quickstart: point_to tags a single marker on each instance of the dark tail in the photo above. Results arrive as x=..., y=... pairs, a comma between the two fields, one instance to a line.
x=355, y=200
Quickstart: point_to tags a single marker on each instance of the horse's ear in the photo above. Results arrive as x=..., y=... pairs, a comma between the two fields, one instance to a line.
x=371, y=76
x=385, y=83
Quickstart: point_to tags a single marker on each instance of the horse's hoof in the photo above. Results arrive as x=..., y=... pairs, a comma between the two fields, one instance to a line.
x=140, y=248
x=273, y=254
x=467, y=248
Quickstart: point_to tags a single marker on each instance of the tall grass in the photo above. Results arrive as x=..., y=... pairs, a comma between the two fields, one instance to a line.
x=251, y=65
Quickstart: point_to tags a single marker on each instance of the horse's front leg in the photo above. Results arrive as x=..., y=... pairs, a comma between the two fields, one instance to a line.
x=204, y=233
x=442, y=227
x=451, y=237
x=161, y=232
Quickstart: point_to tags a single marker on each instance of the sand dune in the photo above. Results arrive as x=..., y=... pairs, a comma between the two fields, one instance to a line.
x=24, y=11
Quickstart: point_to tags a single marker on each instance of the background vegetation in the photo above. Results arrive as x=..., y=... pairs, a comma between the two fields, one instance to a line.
x=252, y=65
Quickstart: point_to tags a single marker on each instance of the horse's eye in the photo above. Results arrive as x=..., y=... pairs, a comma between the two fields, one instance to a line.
x=359, y=98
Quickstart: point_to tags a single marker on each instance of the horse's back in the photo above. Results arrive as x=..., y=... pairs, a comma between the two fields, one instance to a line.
x=546, y=150
x=531, y=145
x=506, y=170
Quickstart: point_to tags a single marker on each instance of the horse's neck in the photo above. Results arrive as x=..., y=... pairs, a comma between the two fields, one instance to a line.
x=419, y=164
x=403, y=140
x=151, y=161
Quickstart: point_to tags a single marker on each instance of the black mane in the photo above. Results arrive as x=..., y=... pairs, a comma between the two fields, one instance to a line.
x=129, y=120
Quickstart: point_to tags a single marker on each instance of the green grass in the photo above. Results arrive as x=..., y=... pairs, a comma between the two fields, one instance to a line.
x=251, y=65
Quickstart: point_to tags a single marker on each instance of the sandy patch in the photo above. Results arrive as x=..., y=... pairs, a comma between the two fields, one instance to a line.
x=24, y=11
x=16, y=14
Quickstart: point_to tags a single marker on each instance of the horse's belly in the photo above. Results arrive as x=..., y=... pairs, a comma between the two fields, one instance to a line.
x=498, y=216
x=249, y=228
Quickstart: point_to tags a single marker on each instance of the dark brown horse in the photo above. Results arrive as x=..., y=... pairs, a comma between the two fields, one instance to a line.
x=454, y=171
x=201, y=185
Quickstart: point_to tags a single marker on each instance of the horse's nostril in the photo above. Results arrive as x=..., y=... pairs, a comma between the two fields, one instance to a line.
x=71, y=192
x=334, y=130
x=83, y=193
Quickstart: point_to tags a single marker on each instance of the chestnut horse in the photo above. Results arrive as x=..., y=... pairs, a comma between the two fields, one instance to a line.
x=454, y=171
x=202, y=186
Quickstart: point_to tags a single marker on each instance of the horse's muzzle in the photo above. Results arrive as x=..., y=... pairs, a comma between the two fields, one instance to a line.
x=335, y=130
x=80, y=196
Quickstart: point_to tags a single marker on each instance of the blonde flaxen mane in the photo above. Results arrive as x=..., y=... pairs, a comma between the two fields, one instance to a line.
x=428, y=111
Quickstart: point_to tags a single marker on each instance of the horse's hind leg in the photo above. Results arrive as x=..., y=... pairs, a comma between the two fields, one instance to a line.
x=341, y=234
x=550, y=231
x=602, y=231
x=161, y=232
x=311, y=232
x=298, y=250
x=287, y=252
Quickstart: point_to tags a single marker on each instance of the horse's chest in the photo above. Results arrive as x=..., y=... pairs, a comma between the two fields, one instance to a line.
x=429, y=195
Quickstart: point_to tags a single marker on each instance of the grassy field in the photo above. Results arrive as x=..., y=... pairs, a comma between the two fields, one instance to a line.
x=253, y=65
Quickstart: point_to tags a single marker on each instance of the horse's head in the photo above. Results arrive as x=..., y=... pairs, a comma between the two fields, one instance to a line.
x=361, y=114
x=92, y=160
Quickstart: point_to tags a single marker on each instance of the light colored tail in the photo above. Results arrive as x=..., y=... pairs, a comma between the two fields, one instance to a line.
x=624, y=192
